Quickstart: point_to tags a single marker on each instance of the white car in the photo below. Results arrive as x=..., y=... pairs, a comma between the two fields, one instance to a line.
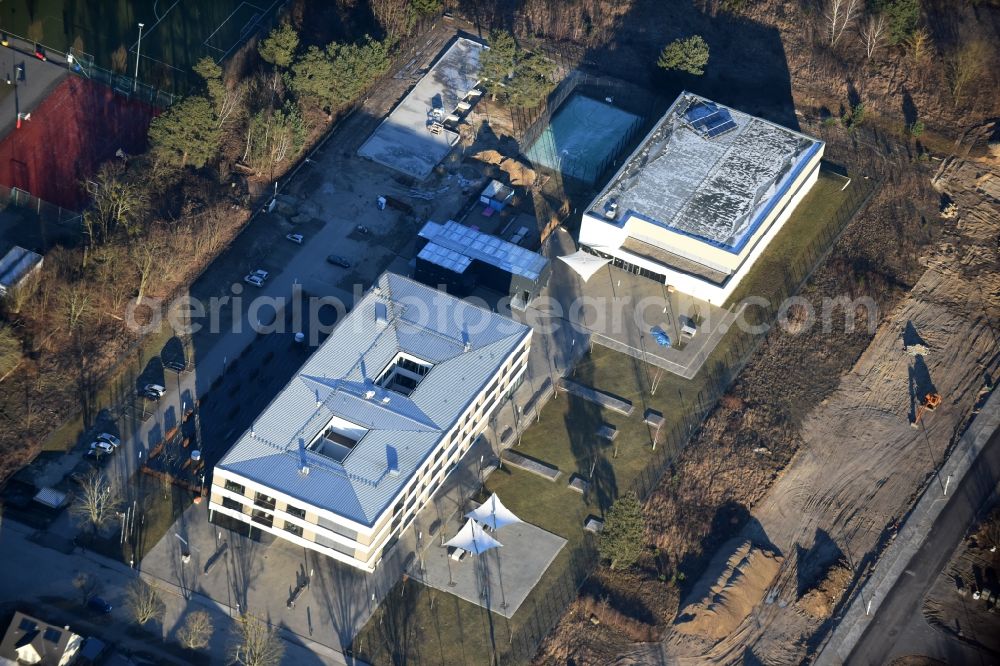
x=110, y=439
x=261, y=273
x=153, y=391
x=103, y=446
x=254, y=280
x=295, y=238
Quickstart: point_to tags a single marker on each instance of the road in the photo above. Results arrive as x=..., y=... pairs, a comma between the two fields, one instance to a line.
x=261, y=363
x=899, y=627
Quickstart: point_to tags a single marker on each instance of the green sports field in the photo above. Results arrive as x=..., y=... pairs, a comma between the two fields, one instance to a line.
x=176, y=33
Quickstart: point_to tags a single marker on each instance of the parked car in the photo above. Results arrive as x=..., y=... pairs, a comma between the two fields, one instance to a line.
x=295, y=238
x=175, y=365
x=261, y=273
x=103, y=446
x=255, y=280
x=153, y=391
x=361, y=229
x=337, y=260
x=100, y=605
x=110, y=439
x=660, y=336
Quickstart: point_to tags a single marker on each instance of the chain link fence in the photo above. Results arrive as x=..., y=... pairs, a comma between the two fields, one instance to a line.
x=46, y=212
x=82, y=64
x=541, y=613
x=673, y=438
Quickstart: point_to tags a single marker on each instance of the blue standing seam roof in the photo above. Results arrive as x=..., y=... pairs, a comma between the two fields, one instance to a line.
x=465, y=345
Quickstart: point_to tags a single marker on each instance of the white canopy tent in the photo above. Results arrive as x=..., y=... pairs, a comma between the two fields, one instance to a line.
x=584, y=263
x=473, y=539
x=493, y=514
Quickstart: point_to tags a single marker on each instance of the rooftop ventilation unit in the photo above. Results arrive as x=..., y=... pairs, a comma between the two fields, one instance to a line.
x=381, y=315
x=303, y=466
x=611, y=209
x=369, y=395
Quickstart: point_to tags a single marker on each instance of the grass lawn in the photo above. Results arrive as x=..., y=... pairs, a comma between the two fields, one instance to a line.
x=432, y=627
x=162, y=503
x=814, y=216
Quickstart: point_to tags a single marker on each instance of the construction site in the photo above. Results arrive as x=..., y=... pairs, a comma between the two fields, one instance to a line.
x=788, y=534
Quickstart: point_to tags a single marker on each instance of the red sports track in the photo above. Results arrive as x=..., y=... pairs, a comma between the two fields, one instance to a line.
x=77, y=127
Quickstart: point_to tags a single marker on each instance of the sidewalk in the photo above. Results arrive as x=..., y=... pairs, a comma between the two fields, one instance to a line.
x=896, y=558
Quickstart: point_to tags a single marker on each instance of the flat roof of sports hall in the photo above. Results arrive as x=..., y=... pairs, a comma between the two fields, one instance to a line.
x=707, y=171
x=403, y=141
x=342, y=387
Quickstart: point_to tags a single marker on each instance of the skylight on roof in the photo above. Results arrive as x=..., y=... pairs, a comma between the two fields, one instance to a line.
x=403, y=374
x=337, y=439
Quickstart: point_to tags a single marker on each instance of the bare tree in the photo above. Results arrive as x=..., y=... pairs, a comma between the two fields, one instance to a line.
x=873, y=34
x=840, y=14
x=143, y=600
x=97, y=501
x=76, y=304
x=118, y=203
x=988, y=534
x=230, y=103
x=966, y=64
x=259, y=643
x=920, y=45
x=143, y=256
x=395, y=16
x=197, y=630
x=87, y=584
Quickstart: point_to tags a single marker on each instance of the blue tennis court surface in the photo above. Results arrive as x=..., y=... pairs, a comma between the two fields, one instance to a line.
x=583, y=137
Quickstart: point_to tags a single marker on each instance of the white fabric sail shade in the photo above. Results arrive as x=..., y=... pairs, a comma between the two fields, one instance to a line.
x=473, y=539
x=584, y=263
x=493, y=514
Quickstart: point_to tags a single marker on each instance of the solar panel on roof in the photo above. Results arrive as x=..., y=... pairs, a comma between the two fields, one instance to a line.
x=700, y=111
x=721, y=129
x=467, y=244
x=710, y=119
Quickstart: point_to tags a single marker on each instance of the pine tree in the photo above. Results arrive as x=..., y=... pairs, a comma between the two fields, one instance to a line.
x=532, y=81
x=687, y=55
x=426, y=7
x=516, y=76
x=497, y=63
x=186, y=133
x=279, y=47
x=623, y=536
x=338, y=74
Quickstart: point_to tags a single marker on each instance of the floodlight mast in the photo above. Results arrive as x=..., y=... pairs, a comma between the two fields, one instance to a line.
x=138, y=50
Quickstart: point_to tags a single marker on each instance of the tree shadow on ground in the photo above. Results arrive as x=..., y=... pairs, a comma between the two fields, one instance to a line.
x=813, y=563
x=920, y=384
x=701, y=568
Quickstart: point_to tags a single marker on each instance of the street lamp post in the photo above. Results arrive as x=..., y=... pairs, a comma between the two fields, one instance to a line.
x=138, y=50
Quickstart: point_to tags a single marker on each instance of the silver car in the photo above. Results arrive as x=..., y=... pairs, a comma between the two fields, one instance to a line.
x=110, y=439
x=103, y=446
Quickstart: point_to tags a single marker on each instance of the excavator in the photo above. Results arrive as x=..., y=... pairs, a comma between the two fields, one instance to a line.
x=930, y=403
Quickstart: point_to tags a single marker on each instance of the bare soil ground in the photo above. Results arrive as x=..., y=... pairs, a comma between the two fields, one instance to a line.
x=822, y=468
x=951, y=604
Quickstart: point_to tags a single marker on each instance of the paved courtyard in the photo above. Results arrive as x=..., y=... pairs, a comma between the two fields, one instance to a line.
x=618, y=309
x=526, y=553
